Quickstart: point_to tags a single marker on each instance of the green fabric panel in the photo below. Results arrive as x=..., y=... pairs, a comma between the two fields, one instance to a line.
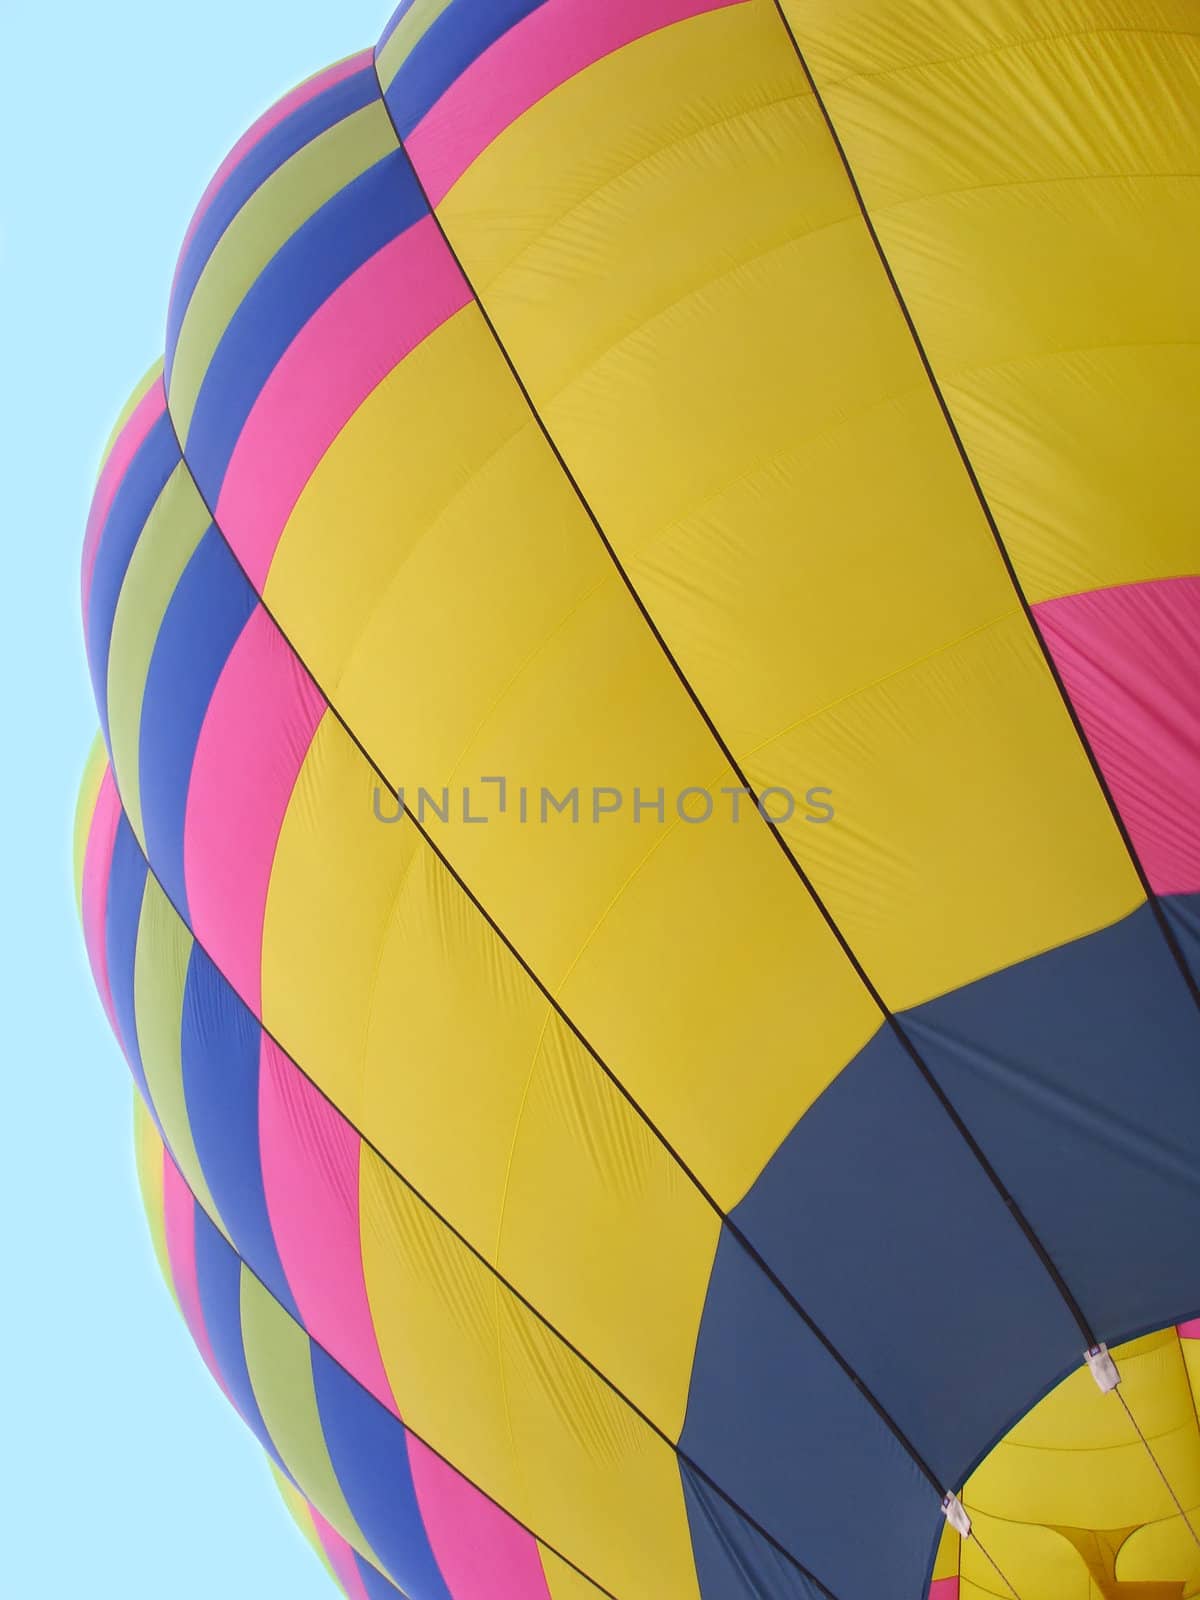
x=165, y=546
x=148, y=1151
x=274, y=212
x=164, y=948
x=280, y=1365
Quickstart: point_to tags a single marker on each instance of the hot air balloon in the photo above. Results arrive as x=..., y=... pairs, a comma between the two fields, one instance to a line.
x=643, y=855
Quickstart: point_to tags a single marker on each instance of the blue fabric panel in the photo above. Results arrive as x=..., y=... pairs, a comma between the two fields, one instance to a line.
x=369, y=1450
x=219, y=1278
x=280, y=143
x=207, y=612
x=774, y=1420
x=221, y=1041
x=152, y=464
x=126, y=889
x=733, y=1560
x=444, y=52
x=1183, y=913
x=881, y=1222
x=1079, y=1074
x=374, y=1582
x=366, y=215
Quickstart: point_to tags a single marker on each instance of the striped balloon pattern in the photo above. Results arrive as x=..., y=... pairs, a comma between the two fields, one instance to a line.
x=643, y=852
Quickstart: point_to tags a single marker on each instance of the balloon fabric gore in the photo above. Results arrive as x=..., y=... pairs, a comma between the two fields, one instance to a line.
x=668, y=406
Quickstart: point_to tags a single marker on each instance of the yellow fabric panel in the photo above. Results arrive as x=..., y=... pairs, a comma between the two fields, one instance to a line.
x=718, y=405
x=1046, y=1468
x=335, y=869
x=714, y=954
x=433, y=1306
x=960, y=786
x=476, y=1375
x=453, y=1033
x=1076, y=1564
x=1161, y=1552
x=684, y=91
x=945, y=1563
x=450, y=1061
x=704, y=930
x=602, y=1231
x=593, y=1469
x=1071, y=1488
x=864, y=38
x=387, y=986
x=1070, y=445
x=563, y=1582
x=709, y=939
x=273, y=213
x=85, y=809
x=1047, y=255
x=1038, y=1561
x=1166, y=1548
x=871, y=592
x=447, y=437
x=148, y=1152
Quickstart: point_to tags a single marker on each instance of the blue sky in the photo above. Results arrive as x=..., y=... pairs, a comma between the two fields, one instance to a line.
x=124, y=1472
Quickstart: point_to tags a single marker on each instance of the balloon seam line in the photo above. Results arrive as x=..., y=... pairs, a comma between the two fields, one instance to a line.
x=887, y=1014
x=1152, y=896
x=733, y=1228
x=682, y=1455
x=325, y=1351
x=687, y=1171
x=1159, y=1468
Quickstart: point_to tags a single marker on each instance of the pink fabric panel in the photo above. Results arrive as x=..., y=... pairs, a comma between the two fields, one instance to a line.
x=943, y=1589
x=310, y=1166
x=364, y=330
x=1189, y=1330
x=291, y=101
x=1129, y=658
x=341, y=1557
x=256, y=733
x=97, y=866
x=125, y=446
x=483, y=1554
x=179, y=1217
x=550, y=45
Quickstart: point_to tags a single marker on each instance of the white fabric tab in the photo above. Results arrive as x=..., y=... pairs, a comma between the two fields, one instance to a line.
x=1103, y=1368
x=955, y=1514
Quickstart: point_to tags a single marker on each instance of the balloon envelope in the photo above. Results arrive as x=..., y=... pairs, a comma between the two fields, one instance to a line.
x=644, y=855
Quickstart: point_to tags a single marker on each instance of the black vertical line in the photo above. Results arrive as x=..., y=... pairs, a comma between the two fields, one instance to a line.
x=1152, y=898
x=888, y=1015
x=324, y=1349
x=492, y=1268
x=733, y=1228
x=569, y=1022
